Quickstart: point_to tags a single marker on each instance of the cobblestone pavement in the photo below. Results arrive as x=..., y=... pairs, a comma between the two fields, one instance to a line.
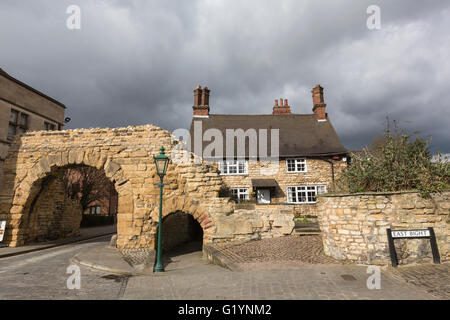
x=42, y=275
x=289, y=251
x=434, y=278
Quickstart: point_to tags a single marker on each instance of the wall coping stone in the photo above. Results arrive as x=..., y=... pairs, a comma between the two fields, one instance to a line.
x=371, y=193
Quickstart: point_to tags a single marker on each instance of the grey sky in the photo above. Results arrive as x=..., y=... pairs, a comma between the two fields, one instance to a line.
x=137, y=62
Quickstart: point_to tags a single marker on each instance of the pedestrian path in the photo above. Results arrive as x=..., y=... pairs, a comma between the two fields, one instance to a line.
x=85, y=234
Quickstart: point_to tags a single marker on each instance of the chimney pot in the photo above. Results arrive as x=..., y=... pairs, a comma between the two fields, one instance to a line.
x=201, y=101
x=281, y=108
x=205, y=96
x=319, y=106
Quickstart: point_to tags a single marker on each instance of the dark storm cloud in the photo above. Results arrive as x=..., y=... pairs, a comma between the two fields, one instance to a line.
x=137, y=62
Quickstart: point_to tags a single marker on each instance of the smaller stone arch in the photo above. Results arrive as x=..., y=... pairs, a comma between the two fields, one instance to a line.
x=187, y=206
x=180, y=228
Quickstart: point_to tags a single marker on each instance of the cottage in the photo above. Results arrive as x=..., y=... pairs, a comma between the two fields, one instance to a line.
x=306, y=153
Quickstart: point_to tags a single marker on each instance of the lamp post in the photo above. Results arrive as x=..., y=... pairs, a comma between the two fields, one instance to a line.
x=161, y=162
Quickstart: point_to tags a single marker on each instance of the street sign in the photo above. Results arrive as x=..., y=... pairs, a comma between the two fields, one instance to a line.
x=2, y=229
x=412, y=234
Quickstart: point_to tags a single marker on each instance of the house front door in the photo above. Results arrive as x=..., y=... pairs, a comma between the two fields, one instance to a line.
x=263, y=196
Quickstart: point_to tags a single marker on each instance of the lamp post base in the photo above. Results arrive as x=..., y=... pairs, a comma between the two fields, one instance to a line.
x=158, y=269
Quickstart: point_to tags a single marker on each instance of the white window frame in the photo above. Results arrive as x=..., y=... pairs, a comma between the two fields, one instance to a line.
x=95, y=209
x=227, y=164
x=306, y=189
x=240, y=191
x=297, y=161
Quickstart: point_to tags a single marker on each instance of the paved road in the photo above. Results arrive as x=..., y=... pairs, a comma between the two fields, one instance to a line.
x=188, y=277
x=42, y=275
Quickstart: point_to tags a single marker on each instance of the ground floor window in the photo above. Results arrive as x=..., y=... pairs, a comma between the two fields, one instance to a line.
x=95, y=209
x=304, y=194
x=240, y=194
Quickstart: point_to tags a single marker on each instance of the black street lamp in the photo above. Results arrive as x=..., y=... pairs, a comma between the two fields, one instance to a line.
x=161, y=162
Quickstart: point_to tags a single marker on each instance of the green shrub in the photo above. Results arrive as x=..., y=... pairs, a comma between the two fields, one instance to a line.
x=395, y=163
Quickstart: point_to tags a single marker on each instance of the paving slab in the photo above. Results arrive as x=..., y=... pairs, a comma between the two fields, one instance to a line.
x=105, y=258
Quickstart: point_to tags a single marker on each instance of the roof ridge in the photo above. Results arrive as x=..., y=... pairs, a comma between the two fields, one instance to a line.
x=271, y=115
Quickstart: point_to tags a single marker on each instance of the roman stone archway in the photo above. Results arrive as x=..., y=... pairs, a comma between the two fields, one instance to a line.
x=126, y=156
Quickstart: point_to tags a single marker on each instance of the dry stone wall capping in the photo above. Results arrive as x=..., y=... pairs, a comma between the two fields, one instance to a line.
x=354, y=226
x=126, y=156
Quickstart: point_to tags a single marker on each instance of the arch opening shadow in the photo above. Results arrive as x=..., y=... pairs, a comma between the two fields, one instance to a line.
x=181, y=234
x=57, y=204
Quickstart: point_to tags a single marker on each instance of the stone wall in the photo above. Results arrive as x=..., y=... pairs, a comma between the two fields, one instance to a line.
x=52, y=214
x=126, y=156
x=318, y=173
x=354, y=226
x=255, y=223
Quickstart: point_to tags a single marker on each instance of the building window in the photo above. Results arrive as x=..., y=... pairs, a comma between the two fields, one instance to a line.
x=233, y=167
x=304, y=194
x=95, y=209
x=240, y=194
x=18, y=123
x=49, y=126
x=296, y=165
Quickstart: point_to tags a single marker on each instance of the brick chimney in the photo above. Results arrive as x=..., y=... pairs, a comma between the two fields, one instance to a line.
x=319, y=106
x=281, y=108
x=201, y=102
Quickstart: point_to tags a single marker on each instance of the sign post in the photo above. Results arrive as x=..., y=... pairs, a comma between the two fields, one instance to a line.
x=412, y=234
x=2, y=232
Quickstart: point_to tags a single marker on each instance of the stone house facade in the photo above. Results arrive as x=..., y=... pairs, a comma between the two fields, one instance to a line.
x=309, y=158
x=22, y=109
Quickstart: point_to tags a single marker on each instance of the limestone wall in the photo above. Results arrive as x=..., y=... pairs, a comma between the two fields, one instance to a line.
x=318, y=172
x=52, y=214
x=255, y=223
x=354, y=226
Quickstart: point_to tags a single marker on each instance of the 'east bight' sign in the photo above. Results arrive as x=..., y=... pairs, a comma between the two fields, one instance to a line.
x=412, y=234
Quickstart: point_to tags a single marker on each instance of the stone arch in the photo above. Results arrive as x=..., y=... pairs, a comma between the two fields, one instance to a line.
x=126, y=157
x=28, y=188
x=180, y=228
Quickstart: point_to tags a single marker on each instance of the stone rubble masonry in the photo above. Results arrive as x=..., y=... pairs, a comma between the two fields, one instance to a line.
x=354, y=226
x=126, y=156
x=318, y=172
